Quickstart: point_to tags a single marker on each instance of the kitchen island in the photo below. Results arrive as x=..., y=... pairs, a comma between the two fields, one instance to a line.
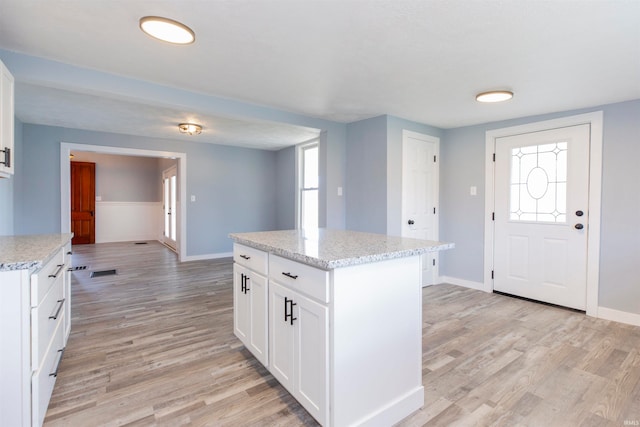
x=336, y=317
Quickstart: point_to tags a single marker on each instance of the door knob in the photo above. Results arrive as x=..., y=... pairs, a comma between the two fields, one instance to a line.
x=579, y=213
x=578, y=226
x=411, y=222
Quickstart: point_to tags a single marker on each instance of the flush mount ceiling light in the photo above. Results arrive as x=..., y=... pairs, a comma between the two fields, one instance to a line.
x=190, y=128
x=494, y=96
x=167, y=30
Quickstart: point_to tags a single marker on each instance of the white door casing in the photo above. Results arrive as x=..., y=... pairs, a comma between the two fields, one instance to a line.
x=420, y=182
x=595, y=121
x=541, y=215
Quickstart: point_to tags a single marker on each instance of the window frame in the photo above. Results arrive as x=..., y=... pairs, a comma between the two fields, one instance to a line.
x=300, y=189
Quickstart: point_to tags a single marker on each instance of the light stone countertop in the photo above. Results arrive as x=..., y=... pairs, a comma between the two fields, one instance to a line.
x=329, y=249
x=29, y=252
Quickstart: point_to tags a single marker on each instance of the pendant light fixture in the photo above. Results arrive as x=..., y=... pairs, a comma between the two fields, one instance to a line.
x=167, y=30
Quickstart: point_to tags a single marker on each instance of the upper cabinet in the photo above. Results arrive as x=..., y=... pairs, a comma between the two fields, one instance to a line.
x=6, y=122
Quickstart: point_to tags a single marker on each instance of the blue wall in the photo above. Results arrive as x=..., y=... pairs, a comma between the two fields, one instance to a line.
x=235, y=187
x=366, y=176
x=54, y=74
x=462, y=216
x=286, y=188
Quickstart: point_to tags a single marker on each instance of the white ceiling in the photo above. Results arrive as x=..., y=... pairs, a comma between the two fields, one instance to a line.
x=338, y=60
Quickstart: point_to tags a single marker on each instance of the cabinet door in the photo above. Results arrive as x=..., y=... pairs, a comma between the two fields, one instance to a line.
x=258, y=296
x=281, y=337
x=6, y=121
x=312, y=356
x=241, y=307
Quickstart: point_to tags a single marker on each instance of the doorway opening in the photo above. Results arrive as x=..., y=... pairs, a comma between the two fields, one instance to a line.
x=181, y=185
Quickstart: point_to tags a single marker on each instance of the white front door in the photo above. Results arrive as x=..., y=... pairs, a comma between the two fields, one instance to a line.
x=169, y=203
x=542, y=215
x=420, y=195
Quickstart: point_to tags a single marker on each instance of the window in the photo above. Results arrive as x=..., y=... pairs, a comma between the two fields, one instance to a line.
x=539, y=183
x=308, y=184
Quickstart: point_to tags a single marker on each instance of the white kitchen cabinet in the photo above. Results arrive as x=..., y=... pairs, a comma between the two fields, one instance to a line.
x=298, y=335
x=6, y=122
x=33, y=329
x=250, y=294
x=344, y=320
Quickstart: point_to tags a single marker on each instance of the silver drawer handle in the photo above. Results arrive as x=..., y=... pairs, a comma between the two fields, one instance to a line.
x=293, y=276
x=55, y=275
x=55, y=316
x=55, y=373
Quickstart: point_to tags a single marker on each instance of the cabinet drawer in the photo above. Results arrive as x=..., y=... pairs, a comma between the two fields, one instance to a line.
x=300, y=277
x=252, y=258
x=44, y=320
x=42, y=281
x=43, y=380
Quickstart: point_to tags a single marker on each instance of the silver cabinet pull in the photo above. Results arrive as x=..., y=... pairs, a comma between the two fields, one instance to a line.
x=55, y=316
x=55, y=275
x=55, y=373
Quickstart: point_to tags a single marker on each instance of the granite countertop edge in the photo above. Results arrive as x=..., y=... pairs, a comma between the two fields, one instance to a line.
x=29, y=252
x=342, y=262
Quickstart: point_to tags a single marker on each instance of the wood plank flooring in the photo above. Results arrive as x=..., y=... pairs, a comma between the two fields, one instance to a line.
x=154, y=346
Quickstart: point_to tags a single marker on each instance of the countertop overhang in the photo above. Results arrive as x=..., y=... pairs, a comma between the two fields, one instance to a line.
x=329, y=249
x=29, y=251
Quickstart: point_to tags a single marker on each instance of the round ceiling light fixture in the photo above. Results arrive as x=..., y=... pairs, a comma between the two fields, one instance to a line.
x=167, y=30
x=190, y=128
x=494, y=96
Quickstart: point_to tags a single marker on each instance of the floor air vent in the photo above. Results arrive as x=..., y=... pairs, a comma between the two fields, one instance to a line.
x=103, y=273
x=140, y=243
x=79, y=267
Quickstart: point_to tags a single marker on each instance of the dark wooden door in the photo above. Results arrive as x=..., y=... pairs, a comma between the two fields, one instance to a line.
x=83, y=202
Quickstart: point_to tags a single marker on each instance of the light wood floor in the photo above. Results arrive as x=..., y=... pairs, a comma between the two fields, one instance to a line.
x=154, y=345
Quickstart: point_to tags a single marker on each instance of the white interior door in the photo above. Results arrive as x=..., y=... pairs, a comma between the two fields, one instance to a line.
x=420, y=195
x=541, y=215
x=169, y=206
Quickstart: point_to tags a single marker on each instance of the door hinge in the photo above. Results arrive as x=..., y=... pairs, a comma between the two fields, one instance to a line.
x=492, y=274
x=434, y=262
x=493, y=216
x=434, y=210
x=494, y=157
x=434, y=159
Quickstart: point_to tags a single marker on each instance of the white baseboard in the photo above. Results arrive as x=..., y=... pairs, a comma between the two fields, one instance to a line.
x=207, y=256
x=619, y=316
x=465, y=283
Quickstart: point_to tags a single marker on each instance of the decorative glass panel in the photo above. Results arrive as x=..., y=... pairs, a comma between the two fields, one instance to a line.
x=539, y=183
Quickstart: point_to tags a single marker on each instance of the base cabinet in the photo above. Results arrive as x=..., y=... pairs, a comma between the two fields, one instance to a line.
x=33, y=333
x=346, y=343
